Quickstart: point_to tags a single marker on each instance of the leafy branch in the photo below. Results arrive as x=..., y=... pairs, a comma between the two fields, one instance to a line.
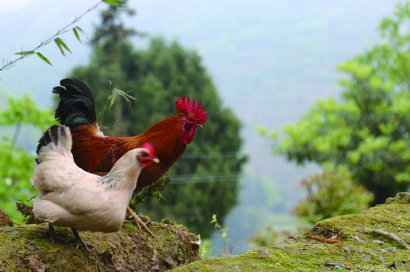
x=154, y=190
x=115, y=92
x=224, y=231
x=62, y=46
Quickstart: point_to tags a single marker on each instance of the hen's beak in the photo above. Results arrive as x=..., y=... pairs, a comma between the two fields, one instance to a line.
x=155, y=160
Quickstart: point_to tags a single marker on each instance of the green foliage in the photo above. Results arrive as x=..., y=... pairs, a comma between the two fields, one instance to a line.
x=17, y=164
x=368, y=128
x=224, y=231
x=205, y=249
x=205, y=180
x=155, y=190
x=24, y=111
x=331, y=193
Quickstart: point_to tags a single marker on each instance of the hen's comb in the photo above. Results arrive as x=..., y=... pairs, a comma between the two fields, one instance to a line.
x=150, y=149
x=195, y=108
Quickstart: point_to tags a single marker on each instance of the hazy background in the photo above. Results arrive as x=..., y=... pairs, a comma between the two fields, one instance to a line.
x=270, y=61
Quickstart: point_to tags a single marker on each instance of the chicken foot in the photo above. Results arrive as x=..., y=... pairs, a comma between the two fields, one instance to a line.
x=51, y=233
x=138, y=221
x=79, y=240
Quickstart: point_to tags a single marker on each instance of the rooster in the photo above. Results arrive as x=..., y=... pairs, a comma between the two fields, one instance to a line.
x=71, y=197
x=97, y=153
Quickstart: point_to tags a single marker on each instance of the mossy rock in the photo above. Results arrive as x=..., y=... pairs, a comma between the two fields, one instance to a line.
x=377, y=239
x=28, y=248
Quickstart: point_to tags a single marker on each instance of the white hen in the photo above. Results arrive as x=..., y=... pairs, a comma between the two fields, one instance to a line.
x=71, y=197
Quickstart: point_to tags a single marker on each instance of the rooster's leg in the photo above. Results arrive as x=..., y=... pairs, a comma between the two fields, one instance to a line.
x=79, y=240
x=139, y=221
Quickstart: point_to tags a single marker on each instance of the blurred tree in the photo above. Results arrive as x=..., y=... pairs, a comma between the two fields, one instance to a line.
x=268, y=237
x=331, y=193
x=111, y=37
x=17, y=164
x=205, y=181
x=368, y=128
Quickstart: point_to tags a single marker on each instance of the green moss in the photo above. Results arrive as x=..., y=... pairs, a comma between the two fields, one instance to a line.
x=359, y=249
x=131, y=227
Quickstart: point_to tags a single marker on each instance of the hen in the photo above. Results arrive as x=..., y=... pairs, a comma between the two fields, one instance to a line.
x=71, y=197
x=95, y=152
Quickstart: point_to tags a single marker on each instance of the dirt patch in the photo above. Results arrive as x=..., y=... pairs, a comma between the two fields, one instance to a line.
x=5, y=220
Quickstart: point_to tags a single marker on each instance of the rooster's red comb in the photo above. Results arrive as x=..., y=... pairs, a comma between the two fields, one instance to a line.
x=195, y=108
x=150, y=149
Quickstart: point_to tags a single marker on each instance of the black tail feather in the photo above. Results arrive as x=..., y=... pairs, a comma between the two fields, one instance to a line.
x=51, y=135
x=60, y=136
x=76, y=106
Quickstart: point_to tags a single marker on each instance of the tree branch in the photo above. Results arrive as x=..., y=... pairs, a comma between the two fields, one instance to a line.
x=10, y=64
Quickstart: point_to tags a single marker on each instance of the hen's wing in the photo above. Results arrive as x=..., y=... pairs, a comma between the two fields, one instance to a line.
x=79, y=199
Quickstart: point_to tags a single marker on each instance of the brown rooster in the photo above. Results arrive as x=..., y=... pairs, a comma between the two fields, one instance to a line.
x=97, y=153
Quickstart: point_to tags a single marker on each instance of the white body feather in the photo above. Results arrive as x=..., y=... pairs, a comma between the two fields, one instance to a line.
x=71, y=197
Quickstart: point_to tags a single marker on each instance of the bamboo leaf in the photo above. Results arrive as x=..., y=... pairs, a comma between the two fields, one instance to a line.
x=114, y=3
x=81, y=31
x=59, y=46
x=25, y=53
x=76, y=34
x=112, y=98
x=41, y=56
x=62, y=45
x=126, y=96
x=115, y=92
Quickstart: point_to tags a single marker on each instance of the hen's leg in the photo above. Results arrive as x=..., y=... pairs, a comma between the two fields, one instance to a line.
x=79, y=240
x=139, y=222
x=51, y=232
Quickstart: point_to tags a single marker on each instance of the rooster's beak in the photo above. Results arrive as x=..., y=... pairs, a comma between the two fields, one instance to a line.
x=155, y=160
